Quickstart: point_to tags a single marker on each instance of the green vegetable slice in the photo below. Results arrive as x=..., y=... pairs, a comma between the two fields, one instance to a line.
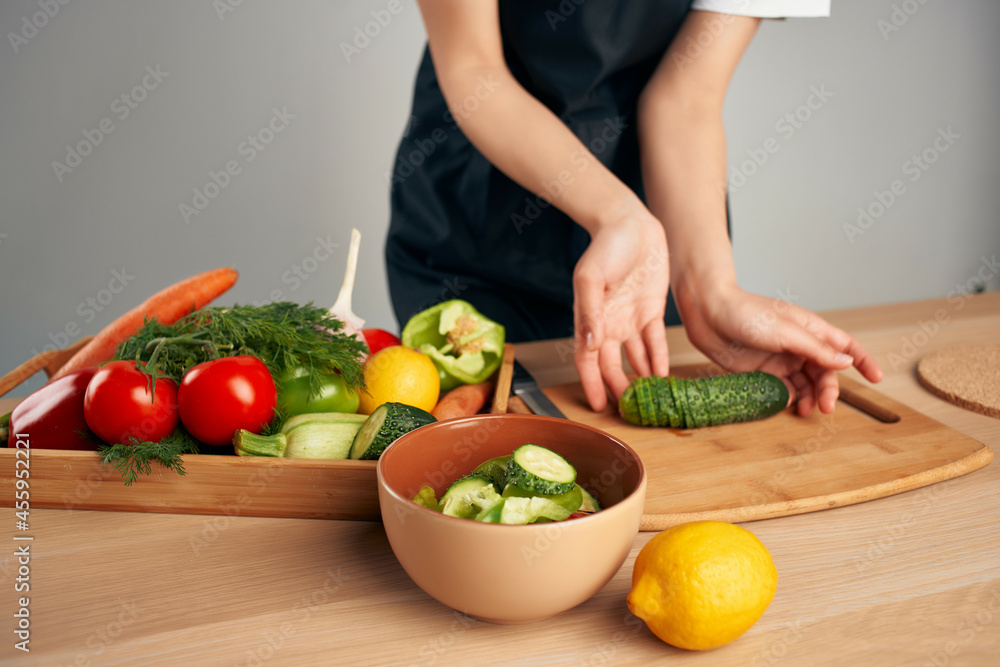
x=590, y=503
x=468, y=497
x=531, y=510
x=384, y=426
x=495, y=470
x=572, y=500
x=541, y=470
x=425, y=498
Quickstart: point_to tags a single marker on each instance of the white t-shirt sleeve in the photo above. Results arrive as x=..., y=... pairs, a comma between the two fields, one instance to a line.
x=768, y=9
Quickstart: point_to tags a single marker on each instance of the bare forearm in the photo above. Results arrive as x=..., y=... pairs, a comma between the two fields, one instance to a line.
x=526, y=141
x=684, y=167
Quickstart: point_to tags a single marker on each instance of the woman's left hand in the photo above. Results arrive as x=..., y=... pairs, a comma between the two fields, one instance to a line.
x=620, y=292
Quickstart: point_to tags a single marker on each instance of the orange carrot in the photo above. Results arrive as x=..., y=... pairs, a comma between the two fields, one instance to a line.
x=166, y=306
x=463, y=401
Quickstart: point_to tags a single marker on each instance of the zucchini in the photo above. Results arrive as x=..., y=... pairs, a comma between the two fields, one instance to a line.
x=700, y=402
x=319, y=435
x=383, y=426
x=541, y=470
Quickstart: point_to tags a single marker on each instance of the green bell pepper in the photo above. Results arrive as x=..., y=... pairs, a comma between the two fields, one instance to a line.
x=333, y=395
x=465, y=346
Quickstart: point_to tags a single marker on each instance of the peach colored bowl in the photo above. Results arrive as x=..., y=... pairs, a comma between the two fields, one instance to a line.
x=499, y=573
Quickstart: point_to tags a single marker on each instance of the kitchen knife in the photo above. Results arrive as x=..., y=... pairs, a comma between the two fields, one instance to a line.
x=524, y=387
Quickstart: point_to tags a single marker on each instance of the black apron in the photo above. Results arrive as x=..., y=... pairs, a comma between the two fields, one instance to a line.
x=460, y=228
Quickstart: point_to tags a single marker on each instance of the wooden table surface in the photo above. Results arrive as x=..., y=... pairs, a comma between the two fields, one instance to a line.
x=912, y=579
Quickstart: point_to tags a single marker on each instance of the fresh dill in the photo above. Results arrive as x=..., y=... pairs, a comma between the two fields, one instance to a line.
x=136, y=458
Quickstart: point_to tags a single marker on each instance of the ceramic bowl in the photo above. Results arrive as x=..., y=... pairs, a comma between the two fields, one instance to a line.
x=501, y=573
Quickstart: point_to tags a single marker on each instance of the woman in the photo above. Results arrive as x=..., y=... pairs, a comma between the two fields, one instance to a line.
x=556, y=151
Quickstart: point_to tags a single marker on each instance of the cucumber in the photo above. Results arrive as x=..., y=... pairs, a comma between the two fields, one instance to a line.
x=541, y=470
x=468, y=497
x=700, y=402
x=383, y=426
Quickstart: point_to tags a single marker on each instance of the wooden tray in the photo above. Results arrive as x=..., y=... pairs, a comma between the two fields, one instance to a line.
x=785, y=464
x=213, y=484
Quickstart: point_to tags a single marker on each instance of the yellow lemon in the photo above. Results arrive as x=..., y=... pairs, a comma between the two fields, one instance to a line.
x=702, y=584
x=400, y=374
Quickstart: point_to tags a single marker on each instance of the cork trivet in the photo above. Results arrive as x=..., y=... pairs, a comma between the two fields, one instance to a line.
x=966, y=375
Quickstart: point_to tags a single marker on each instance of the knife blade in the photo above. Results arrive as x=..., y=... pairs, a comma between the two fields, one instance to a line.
x=524, y=386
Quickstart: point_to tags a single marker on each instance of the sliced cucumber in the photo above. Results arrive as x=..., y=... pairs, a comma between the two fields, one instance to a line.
x=468, y=497
x=384, y=425
x=541, y=470
x=572, y=500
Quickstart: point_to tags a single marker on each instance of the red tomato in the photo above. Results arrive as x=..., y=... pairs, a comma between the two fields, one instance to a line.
x=216, y=398
x=376, y=339
x=118, y=404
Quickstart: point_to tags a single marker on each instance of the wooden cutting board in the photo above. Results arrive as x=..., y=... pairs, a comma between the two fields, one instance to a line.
x=785, y=464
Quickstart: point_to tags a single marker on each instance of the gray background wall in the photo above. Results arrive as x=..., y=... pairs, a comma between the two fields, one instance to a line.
x=884, y=81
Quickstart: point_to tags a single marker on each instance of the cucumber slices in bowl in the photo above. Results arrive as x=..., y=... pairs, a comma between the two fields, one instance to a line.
x=531, y=485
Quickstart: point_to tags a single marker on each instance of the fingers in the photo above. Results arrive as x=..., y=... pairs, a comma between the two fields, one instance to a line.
x=588, y=335
x=804, y=397
x=586, y=360
x=826, y=388
x=611, y=368
x=655, y=337
x=865, y=362
x=638, y=357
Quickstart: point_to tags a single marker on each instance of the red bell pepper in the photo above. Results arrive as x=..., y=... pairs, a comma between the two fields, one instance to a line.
x=52, y=416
